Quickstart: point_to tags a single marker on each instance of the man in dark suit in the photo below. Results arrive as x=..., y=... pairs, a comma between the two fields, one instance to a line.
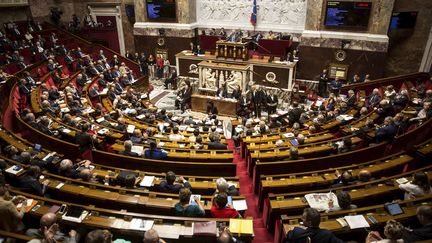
x=424, y=216
x=168, y=185
x=322, y=83
x=184, y=98
x=53, y=93
x=258, y=96
x=128, y=149
x=310, y=231
x=352, y=99
x=80, y=81
x=215, y=143
x=244, y=103
x=272, y=101
x=30, y=181
x=386, y=132
x=335, y=86
x=115, y=61
x=294, y=114
x=374, y=99
x=23, y=88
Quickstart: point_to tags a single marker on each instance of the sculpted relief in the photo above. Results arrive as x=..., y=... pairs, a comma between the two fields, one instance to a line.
x=284, y=12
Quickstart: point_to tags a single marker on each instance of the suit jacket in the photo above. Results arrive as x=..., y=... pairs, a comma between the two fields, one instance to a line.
x=300, y=235
x=423, y=233
x=386, y=133
x=24, y=90
x=81, y=82
x=84, y=140
x=236, y=94
x=217, y=145
x=118, y=88
x=352, y=101
x=373, y=100
x=294, y=115
x=258, y=97
x=271, y=99
x=31, y=185
x=129, y=153
x=165, y=187
x=186, y=95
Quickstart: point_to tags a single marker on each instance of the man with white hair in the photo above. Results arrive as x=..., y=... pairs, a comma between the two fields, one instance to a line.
x=374, y=98
x=223, y=186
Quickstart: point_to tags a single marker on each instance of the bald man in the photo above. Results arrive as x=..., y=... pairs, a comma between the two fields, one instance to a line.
x=424, y=216
x=152, y=236
x=364, y=176
x=46, y=222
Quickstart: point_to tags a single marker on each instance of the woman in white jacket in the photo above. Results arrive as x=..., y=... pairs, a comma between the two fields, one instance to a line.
x=419, y=186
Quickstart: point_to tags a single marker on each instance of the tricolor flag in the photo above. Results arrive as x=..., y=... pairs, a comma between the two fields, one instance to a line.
x=253, y=18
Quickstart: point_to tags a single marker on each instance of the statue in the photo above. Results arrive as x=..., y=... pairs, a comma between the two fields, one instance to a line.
x=235, y=79
x=209, y=81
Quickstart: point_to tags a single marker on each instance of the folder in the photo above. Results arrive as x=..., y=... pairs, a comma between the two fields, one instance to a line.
x=242, y=227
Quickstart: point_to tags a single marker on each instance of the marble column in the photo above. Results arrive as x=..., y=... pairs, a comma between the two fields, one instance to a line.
x=313, y=14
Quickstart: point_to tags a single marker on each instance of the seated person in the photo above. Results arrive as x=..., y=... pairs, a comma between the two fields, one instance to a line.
x=68, y=169
x=215, y=142
x=294, y=154
x=184, y=209
x=168, y=185
x=220, y=209
x=11, y=217
x=47, y=221
x=30, y=181
x=344, y=179
x=364, y=176
x=222, y=186
x=344, y=201
x=154, y=152
x=393, y=232
x=198, y=144
x=87, y=175
x=128, y=149
x=137, y=137
x=310, y=231
x=417, y=187
x=175, y=136
x=424, y=216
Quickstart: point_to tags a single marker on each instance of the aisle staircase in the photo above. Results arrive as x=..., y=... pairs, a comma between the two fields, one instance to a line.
x=261, y=233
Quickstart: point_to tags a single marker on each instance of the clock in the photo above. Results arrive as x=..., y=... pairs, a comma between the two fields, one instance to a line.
x=340, y=55
x=161, y=41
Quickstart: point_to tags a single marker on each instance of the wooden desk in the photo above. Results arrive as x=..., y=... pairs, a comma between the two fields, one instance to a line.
x=226, y=107
x=328, y=220
x=381, y=190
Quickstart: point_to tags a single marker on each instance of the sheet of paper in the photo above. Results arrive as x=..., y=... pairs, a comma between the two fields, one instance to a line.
x=138, y=149
x=130, y=128
x=29, y=202
x=168, y=231
x=147, y=181
x=240, y=205
x=356, y=221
